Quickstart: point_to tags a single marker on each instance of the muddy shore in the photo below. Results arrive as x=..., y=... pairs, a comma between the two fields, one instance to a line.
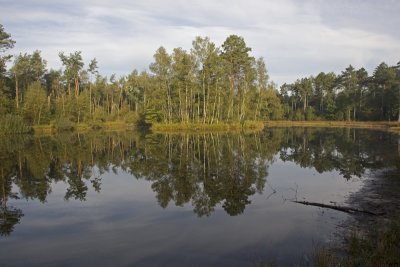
x=379, y=194
x=364, y=239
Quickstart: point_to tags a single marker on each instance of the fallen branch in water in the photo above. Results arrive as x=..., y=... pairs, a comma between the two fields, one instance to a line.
x=339, y=208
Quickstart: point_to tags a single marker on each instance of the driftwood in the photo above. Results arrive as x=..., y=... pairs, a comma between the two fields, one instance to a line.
x=339, y=208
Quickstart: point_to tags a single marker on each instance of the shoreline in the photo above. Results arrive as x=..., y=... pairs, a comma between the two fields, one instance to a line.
x=383, y=125
x=217, y=127
x=379, y=193
x=49, y=129
x=364, y=239
x=195, y=127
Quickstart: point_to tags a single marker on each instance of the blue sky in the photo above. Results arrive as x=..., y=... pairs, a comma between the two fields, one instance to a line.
x=296, y=38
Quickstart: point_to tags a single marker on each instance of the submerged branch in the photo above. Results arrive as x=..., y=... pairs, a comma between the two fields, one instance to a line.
x=339, y=208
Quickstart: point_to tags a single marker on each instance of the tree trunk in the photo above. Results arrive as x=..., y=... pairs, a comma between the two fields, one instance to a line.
x=349, y=114
x=204, y=97
x=398, y=120
x=63, y=104
x=198, y=108
x=40, y=112
x=186, y=104
x=230, y=109
x=242, y=109
x=169, y=103
x=120, y=102
x=383, y=91
x=322, y=104
x=398, y=144
x=180, y=105
x=76, y=87
x=108, y=105
x=219, y=107
x=90, y=98
x=255, y=113
x=339, y=208
x=144, y=99
x=16, y=92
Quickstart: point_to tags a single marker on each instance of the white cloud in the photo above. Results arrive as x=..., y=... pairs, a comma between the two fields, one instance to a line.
x=295, y=38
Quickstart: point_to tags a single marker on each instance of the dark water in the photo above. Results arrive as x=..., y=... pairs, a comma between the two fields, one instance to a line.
x=125, y=199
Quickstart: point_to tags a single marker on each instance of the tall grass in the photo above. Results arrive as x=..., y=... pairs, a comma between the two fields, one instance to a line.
x=13, y=124
x=253, y=125
x=391, y=126
x=379, y=247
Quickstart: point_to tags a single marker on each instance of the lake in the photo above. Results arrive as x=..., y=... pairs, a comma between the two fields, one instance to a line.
x=194, y=199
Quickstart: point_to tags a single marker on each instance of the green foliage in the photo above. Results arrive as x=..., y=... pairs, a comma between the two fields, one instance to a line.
x=64, y=124
x=99, y=115
x=239, y=74
x=36, y=109
x=13, y=124
x=339, y=116
x=298, y=115
x=131, y=117
x=80, y=110
x=6, y=103
x=73, y=64
x=270, y=108
x=152, y=116
x=310, y=114
x=26, y=70
x=352, y=95
x=5, y=43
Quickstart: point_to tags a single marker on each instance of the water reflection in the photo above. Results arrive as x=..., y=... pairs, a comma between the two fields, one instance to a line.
x=206, y=170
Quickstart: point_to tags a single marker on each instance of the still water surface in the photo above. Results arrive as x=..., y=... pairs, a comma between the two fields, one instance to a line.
x=208, y=199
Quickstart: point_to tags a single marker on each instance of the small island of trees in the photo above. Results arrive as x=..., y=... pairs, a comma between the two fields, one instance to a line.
x=207, y=85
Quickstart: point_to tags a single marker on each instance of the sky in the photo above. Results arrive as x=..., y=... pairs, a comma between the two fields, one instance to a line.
x=295, y=38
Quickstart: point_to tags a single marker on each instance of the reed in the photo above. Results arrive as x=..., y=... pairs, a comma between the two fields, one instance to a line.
x=171, y=127
x=13, y=124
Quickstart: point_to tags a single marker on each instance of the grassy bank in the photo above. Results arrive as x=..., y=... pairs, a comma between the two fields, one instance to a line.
x=379, y=247
x=83, y=127
x=391, y=126
x=194, y=127
x=258, y=125
x=171, y=127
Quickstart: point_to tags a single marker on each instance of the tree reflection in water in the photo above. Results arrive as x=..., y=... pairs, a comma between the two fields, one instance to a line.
x=204, y=169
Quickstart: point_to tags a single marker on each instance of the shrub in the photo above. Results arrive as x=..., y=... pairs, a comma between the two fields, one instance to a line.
x=298, y=115
x=100, y=115
x=64, y=124
x=131, y=117
x=310, y=114
x=152, y=116
x=13, y=124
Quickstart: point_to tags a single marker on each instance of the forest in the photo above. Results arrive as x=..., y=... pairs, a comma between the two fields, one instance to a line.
x=209, y=84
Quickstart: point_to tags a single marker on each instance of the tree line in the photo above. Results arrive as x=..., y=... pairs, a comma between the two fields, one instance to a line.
x=208, y=84
x=351, y=95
